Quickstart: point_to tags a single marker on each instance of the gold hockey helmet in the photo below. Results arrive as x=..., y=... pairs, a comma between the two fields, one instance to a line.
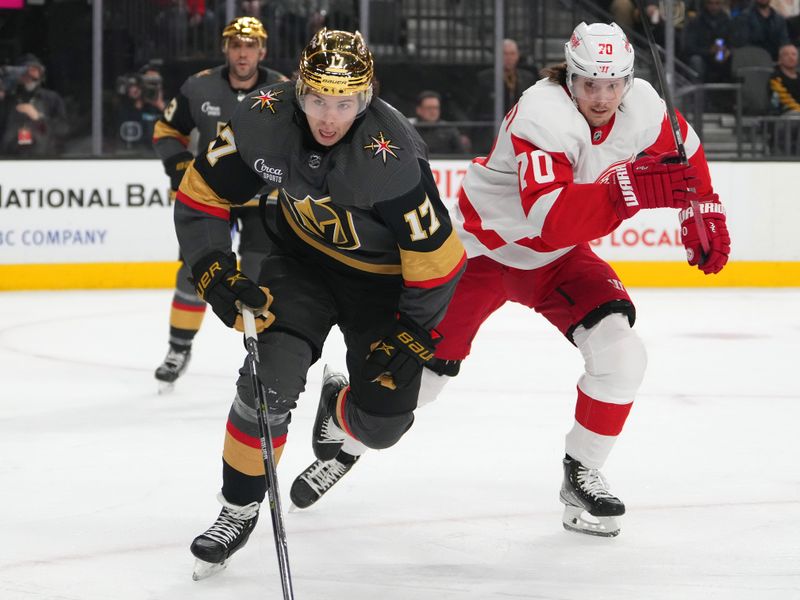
x=246, y=28
x=336, y=63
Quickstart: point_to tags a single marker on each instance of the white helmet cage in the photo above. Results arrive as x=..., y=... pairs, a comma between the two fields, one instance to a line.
x=599, y=51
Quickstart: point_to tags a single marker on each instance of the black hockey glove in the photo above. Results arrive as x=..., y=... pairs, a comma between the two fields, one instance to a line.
x=225, y=288
x=175, y=167
x=398, y=358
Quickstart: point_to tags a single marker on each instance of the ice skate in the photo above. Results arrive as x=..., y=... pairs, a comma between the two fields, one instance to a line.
x=229, y=533
x=174, y=365
x=589, y=507
x=318, y=478
x=327, y=436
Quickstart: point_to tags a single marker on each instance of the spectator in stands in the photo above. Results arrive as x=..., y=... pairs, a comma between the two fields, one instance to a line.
x=440, y=137
x=705, y=42
x=184, y=25
x=288, y=23
x=760, y=25
x=516, y=81
x=36, y=119
x=140, y=105
x=655, y=11
x=784, y=82
x=793, y=26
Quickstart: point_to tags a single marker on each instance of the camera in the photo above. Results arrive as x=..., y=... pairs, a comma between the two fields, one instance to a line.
x=10, y=74
x=124, y=82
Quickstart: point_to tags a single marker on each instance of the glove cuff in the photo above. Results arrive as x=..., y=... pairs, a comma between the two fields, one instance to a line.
x=626, y=202
x=209, y=268
x=431, y=337
x=175, y=166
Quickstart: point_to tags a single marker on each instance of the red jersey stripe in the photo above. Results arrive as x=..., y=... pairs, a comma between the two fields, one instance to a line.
x=473, y=224
x=432, y=283
x=209, y=210
x=189, y=307
x=249, y=440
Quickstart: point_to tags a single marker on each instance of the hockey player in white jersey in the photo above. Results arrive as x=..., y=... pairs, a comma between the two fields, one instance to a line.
x=584, y=149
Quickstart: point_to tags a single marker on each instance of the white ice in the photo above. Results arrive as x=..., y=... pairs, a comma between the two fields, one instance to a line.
x=104, y=483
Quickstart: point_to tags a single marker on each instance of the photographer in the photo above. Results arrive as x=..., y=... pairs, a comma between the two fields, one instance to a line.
x=140, y=106
x=35, y=120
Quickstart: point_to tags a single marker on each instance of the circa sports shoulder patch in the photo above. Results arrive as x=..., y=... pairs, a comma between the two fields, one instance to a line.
x=266, y=99
x=381, y=146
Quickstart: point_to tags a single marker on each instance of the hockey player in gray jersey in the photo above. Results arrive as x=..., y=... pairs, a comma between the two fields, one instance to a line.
x=205, y=103
x=364, y=242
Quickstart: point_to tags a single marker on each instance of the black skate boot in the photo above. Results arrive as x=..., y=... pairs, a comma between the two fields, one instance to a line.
x=319, y=477
x=586, y=491
x=227, y=535
x=174, y=365
x=327, y=437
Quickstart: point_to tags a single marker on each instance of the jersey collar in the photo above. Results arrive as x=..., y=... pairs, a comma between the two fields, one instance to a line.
x=600, y=134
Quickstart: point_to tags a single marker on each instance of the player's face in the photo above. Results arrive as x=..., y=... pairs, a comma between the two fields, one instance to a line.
x=243, y=58
x=330, y=117
x=598, y=99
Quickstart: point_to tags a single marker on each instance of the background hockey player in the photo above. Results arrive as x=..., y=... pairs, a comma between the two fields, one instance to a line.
x=583, y=150
x=205, y=103
x=365, y=243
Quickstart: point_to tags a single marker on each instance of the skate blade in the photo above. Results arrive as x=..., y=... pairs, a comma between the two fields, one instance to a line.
x=203, y=569
x=578, y=520
x=165, y=387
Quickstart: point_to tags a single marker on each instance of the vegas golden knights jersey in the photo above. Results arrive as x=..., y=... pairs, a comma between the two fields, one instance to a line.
x=367, y=205
x=206, y=102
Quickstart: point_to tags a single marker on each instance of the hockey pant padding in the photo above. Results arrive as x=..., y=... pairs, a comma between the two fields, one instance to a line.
x=187, y=310
x=376, y=431
x=284, y=362
x=431, y=386
x=614, y=360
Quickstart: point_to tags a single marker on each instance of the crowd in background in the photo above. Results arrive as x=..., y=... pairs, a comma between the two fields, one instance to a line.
x=722, y=41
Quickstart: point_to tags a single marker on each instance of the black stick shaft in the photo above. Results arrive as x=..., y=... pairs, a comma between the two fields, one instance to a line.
x=673, y=121
x=270, y=471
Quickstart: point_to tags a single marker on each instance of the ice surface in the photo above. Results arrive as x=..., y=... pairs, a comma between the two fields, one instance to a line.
x=104, y=483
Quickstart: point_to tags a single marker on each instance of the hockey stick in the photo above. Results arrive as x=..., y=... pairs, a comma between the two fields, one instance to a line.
x=673, y=121
x=278, y=529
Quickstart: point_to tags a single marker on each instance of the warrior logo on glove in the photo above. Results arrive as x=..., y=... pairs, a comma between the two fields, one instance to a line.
x=713, y=219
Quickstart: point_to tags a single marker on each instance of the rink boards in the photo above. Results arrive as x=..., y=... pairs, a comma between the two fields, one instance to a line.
x=108, y=224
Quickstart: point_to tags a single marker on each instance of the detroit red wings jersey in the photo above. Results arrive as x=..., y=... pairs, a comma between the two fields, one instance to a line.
x=544, y=186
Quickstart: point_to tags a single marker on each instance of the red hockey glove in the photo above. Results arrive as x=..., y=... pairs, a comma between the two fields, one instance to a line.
x=713, y=214
x=225, y=288
x=653, y=182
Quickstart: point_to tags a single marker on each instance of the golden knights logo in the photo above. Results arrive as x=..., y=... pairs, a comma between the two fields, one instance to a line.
x=322, y=219
x=381, y=146
x=266, y=99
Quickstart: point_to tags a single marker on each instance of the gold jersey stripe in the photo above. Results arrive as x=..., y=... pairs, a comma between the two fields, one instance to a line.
x=195, y=187
x=246, y=459
x=427, y=266
x=347, y=260
x=162, y=130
